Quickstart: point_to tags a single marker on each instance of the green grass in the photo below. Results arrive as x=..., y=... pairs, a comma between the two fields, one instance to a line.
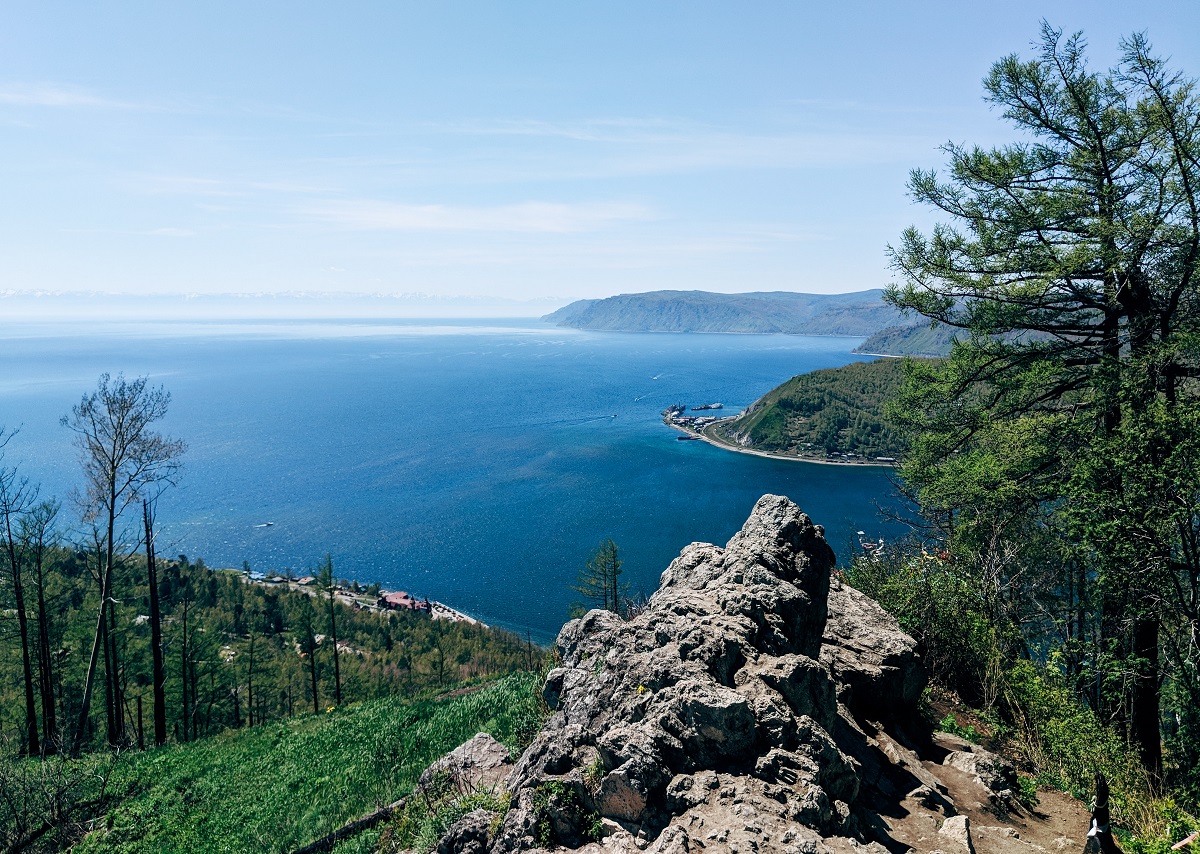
x=280, y=786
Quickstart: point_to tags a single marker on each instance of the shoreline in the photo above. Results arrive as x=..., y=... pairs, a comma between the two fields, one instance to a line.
x=716, y=442
x=437, y=610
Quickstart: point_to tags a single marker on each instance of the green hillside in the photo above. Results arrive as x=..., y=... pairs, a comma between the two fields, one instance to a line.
x=833, y=411
x=270, y=788
x=919, y=339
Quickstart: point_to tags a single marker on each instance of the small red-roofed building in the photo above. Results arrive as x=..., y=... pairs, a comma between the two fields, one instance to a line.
x=401, y=601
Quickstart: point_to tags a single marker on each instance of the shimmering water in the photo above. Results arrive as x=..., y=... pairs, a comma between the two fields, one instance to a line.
x=474, y=463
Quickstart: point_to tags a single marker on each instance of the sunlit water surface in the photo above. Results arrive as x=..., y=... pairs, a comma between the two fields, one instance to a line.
x=477, y=463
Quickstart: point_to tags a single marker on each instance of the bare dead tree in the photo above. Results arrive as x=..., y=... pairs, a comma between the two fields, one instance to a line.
x=123, y=460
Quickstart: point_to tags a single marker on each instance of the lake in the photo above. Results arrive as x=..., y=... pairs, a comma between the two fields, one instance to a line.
x=474, y=462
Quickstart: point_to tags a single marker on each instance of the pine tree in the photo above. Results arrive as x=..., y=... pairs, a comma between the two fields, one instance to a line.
x=599, y=581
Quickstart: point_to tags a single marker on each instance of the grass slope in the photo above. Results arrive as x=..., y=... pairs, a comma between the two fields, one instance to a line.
x=833, y=411
x=277, y=787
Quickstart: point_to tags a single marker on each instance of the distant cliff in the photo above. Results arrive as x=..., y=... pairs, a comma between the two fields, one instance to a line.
x=915, y=340
x=861, y=313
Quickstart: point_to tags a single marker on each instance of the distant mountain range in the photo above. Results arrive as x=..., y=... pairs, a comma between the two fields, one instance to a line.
x=862, y=313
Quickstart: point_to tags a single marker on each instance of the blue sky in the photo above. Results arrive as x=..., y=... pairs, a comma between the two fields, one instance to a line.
x=539, y=151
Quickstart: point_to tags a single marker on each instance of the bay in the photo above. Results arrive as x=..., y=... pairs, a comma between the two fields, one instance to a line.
x=474, y=462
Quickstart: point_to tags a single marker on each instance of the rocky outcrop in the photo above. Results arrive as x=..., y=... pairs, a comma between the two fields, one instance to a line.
x=875, y=665
x=755, y=704
x=706, y=719
x=481, y=763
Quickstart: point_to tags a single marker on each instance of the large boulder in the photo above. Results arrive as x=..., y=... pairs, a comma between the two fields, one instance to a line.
x=874, y=662
x=481, y=763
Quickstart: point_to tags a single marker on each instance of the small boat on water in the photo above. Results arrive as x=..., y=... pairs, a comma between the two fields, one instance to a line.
x=687, y=438
x=265, y=525
x=708, y=406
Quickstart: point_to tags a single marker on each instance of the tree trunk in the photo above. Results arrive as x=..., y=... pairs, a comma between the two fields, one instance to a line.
x=1144, y=711
x=158, y=675
x=337, y=671
x=113, y=688
x=312, y=669
x=45, y=665
x=183, y=673
x=89, y=681
x=31, y=724
x=250, y=684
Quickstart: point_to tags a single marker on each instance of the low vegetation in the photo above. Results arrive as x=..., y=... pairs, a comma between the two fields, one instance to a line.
x=272, y=788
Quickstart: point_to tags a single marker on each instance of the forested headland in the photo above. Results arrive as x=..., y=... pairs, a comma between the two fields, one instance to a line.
x=824, y=414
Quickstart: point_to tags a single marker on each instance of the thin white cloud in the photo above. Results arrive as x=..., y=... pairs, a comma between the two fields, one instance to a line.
x=673, y=145
x=59, y=96
x=187, y=185
x=192, y=185
x=529, y=217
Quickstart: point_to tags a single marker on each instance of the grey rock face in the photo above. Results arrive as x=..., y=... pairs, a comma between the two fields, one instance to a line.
x=468, y=835
x=993, y=774
x=957, y=831
x=481, y=763
x=874, y=662
x=709, y=707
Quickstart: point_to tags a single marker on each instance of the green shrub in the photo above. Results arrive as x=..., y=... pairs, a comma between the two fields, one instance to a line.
x=1064, y=739
x=950, y=725
x=1027, y=789
x=936, y=602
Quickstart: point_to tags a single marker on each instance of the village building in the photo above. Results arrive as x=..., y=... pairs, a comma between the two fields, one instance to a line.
x=401, y=601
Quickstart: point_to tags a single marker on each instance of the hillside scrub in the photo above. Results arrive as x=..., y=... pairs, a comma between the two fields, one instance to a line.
x=1031, y=709
x=272, y=788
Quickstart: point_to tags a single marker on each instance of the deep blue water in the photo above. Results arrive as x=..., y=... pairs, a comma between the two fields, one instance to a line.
x=478, y=463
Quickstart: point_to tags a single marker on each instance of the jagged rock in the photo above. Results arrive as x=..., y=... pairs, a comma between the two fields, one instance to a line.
x=481, y=763
x=468, y=835
x=875, y=663
x=715, y=720
x=709, y=703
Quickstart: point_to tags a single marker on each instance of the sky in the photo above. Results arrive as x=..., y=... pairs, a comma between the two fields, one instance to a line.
x=504, y=153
